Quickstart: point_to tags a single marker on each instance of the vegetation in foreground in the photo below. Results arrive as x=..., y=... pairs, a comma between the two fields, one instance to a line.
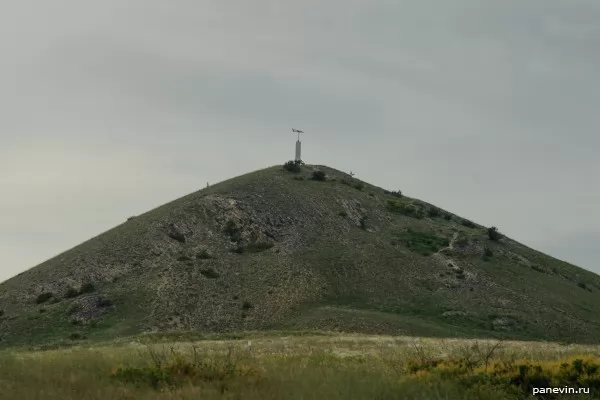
x=300, y=367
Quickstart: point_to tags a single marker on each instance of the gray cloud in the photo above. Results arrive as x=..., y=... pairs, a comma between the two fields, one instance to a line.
x=110, y=108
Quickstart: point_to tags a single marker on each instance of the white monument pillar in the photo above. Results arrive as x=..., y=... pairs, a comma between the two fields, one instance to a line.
x=298, y=149
x=298, y=145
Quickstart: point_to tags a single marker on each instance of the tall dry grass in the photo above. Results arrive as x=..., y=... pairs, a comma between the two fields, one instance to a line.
x=319, y=367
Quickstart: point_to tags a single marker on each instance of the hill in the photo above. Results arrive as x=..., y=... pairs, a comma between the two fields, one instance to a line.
x=276, y=249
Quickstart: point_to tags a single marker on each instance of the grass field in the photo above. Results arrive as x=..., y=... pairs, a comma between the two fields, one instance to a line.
x=296, y=366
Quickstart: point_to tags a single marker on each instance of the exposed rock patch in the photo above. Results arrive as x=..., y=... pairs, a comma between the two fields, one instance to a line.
x=91, y=307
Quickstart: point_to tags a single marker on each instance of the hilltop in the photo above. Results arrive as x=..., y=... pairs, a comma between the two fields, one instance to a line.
x=278, y=250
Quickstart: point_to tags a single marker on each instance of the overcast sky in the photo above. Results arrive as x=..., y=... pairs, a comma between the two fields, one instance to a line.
x=490, y=109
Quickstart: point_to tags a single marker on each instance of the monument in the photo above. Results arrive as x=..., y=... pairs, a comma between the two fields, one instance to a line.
x=298, y=157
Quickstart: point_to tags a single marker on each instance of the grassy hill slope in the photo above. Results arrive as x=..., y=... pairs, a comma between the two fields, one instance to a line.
x=274, y=249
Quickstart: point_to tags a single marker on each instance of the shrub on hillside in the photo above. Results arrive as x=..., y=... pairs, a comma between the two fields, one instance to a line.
x=74, y=308
x=363, y=223
x=44, y=297
x=538, y=269
x=292, y=166
x=238, y=249
x=233, y=231
x=318, y=176
x=87, y=287
x=76, y=336
x=359, y=186
x=71, y=293
x=255, y=247
x=493, y=234
x=178, y=236
x=434, y=212
x=203, y=255
x=468, y=224
x=407, y=209
x=103, y=302
x=209, y=273
x=247, y=305
x=487, y=254
x=422, y=243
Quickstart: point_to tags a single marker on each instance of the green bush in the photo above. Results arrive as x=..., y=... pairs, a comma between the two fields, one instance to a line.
x=87, y=287
x=407, y=209
x=178, y=236
x=247, y=305
x=515, y=378
x=363, y=223
x=359, y=186
x=468, y=224
x=422, y=243
x=493, y=234
x=144, y=376
x=434, y=212
x=343, y=214
x=292, y=166
x=44, y=297
x=74, y=308
x=103, y=302
x=76, y=336
x=238, y=249
x=210, y=273
x=230, y=227
x=178, y=370
x=203, y=255
x=257, y=247
x=71, y=293
x=538, y=268
x=233, y=231
x=318, y=176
